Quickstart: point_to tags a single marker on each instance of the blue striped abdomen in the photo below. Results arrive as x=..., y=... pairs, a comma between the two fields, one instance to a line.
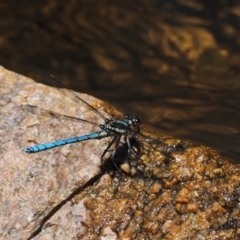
x=46, y=146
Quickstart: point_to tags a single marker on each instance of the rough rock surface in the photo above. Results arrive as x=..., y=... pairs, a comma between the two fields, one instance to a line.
x=174, y=190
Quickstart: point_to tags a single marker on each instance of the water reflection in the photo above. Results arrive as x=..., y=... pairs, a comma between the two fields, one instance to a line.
x=174, y=63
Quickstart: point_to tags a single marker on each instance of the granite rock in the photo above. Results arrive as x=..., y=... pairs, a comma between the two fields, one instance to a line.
x=33, y=185
x=172, y=190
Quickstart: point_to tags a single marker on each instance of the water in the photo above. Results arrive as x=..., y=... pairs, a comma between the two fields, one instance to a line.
x=153, y=52
x=115, y=128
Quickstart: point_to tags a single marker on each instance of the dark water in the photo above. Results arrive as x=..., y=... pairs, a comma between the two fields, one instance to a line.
x=175, y=64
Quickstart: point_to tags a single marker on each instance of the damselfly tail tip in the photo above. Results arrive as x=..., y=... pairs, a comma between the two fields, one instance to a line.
x=26, y=150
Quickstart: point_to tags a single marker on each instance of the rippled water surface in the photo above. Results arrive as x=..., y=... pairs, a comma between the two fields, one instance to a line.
x=175, y=64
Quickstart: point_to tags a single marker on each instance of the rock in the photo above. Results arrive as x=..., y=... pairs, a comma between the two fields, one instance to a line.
x=33, y=185
x=172, y=190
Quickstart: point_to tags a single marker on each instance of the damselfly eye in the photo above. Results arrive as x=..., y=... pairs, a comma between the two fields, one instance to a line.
x=136, y=121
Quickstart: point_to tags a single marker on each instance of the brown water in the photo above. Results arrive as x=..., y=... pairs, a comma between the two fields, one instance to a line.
x=175, y=64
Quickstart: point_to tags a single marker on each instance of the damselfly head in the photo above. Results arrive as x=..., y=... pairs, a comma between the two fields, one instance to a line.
x=132, y=120
x=136, y=121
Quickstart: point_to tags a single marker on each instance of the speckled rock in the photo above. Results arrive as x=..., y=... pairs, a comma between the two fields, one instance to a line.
x=177, y=191
x=173, y=190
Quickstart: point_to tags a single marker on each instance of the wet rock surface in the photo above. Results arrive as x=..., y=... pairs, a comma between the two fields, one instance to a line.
x=178, y=191
x=172, y=190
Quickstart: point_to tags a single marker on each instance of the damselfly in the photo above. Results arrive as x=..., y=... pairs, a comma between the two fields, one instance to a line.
x=127, y=128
